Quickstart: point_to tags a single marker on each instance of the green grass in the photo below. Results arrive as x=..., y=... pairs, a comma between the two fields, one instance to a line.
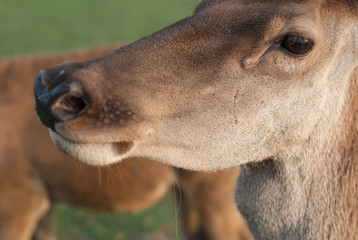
x=157, y=223
x=32, y=26
x=48, y=25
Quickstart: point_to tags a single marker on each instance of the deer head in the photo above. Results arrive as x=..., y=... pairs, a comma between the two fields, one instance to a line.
x=236, y=82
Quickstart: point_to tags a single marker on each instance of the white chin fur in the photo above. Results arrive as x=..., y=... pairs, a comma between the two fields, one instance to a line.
x=89, y=153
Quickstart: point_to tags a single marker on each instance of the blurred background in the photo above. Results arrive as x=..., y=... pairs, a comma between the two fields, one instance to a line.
x=49, y=25
x=41, y=26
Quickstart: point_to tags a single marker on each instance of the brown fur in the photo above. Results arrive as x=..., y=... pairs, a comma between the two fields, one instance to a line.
x=223, y=88
x=34, y=175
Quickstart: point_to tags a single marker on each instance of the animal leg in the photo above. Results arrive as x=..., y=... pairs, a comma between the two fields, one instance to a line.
x=46, y=227
x=208, y=209
x=23, y=200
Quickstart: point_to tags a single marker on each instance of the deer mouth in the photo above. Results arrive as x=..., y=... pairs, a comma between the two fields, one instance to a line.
x=93, y=153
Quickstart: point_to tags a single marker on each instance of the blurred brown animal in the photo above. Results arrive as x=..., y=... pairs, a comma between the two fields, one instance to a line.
x=34, y=174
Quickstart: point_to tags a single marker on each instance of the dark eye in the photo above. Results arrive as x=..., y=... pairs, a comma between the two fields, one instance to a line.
x=297, y=44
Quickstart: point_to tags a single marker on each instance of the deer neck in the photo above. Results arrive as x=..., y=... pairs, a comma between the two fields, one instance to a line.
x=310, y=191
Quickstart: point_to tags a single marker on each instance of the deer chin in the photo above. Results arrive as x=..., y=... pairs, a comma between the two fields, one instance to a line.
x=93, y=153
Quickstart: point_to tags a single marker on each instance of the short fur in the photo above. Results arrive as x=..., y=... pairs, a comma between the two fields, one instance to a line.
x=220, y=89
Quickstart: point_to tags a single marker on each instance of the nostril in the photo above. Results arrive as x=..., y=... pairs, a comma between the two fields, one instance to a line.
x=58, y=102
x=69, y=106
x=72, y=104
x=44, y=100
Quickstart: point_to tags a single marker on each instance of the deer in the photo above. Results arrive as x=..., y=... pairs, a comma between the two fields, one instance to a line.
x=270, y=86
x=35, y=175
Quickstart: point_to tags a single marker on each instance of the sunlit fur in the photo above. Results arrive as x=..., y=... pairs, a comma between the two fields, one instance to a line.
x=218, y=89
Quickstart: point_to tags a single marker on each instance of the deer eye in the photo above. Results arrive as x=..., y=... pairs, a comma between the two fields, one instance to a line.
x=297, y=44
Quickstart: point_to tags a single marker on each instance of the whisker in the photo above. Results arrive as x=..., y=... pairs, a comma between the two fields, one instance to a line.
x=105, y=167
x=80, y=164
x=111, y=174
x=120, y=175
x=99, y=176
x=145, y=163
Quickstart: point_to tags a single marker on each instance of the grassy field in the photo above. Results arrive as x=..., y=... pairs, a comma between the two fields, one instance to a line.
x=48, y=25
x=157, y=223
x=52, y=26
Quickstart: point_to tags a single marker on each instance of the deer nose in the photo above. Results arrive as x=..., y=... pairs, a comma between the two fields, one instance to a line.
x=60, y=103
